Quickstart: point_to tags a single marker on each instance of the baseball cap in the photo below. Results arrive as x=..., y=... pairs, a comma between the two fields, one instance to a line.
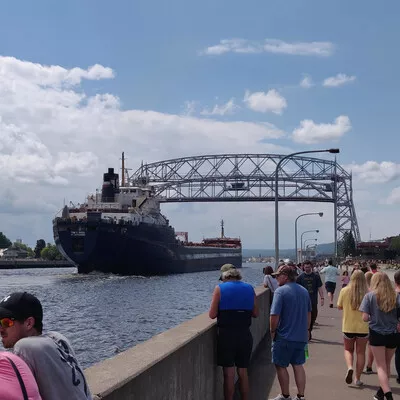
x=21, y=305
x=226, y=267
x=284, y=270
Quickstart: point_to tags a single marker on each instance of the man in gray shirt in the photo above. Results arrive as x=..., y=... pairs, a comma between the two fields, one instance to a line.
x=50, y=356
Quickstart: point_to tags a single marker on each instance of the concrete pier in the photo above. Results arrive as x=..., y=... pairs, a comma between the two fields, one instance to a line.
x=180, y=364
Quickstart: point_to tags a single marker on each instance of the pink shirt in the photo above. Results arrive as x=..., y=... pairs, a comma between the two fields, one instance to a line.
x=10, y=389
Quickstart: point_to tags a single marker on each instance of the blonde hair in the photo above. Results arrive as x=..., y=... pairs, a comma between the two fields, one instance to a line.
x=357, y=289
x=368, y=276
x=384, y=291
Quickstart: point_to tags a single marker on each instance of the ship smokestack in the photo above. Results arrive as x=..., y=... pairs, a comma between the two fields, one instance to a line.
x=110, y=186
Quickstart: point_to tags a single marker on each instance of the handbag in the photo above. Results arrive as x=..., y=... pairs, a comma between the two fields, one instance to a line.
x=20, y=380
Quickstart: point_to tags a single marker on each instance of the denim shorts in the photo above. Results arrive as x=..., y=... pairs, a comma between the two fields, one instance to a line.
x=285, y=352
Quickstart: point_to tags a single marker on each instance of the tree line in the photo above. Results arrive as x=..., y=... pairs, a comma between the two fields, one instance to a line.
x=42, y=250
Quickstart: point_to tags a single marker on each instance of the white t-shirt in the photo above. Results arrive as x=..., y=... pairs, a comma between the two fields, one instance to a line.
x=331, y=273
x=55, y=367
x=271, y=282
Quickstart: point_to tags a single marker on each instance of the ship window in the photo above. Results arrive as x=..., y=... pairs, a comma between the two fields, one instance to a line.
x=133, y=203
x=78, y=244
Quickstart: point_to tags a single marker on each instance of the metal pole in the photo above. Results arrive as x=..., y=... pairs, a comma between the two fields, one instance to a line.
x=301, y=242
x=335, y=223
x=321, y=214
x=277, y=197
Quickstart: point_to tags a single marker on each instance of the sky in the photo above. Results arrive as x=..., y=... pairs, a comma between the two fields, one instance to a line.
x=82, y=81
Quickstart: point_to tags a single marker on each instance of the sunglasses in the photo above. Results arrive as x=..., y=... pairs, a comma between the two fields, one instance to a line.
x=7, y=322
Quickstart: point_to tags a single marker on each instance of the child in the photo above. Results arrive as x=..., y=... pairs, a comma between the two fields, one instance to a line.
x=345, y=279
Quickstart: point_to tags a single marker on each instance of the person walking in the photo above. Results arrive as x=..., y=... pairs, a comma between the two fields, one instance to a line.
x=355, y=330
x=379, y=308
x=370, y=356
x=313, y=284
x=47, y=355
x=234, y=304
x=331, y=273
x=397, y=354
x=290, y=319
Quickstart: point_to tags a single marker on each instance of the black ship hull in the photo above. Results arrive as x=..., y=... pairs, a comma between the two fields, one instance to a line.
x=141, y=249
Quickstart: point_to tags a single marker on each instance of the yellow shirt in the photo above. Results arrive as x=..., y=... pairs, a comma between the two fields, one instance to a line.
x=352, y=319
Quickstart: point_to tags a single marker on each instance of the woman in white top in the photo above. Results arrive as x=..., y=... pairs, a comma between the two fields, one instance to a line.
x=269, y=281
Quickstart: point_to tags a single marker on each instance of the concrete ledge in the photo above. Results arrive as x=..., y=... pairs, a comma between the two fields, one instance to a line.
x=179, y=363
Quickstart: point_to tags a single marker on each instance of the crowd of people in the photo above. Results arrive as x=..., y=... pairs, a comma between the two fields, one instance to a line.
x=370, y=307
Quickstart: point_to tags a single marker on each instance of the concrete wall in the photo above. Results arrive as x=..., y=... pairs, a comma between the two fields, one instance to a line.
x=178, y=364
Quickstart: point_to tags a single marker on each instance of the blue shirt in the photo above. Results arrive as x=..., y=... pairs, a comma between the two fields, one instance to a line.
x=236, y=304
x=292, y=304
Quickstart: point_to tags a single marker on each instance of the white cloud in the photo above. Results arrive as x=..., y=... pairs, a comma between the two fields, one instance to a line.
x=272, y=101
x=306, y=82
x=53, y=75
x=56, y=141
x=309, y=132
x=394, y=197
x=338, y=80
x=375, y=172
x=223, y=109
x=322, y=49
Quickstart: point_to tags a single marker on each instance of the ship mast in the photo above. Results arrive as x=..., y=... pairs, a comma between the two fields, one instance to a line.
x=222, y=229
x=123, y=170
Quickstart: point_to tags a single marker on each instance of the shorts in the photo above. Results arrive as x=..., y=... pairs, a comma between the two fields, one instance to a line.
x=330, y=287
x=389, y=341
x=234, y=347
x=285, y=352
x=350, y=336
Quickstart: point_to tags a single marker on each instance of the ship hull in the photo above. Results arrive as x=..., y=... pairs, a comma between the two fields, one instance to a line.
x=136, y=250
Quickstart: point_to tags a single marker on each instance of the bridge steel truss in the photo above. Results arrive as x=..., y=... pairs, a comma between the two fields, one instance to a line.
x=251, y=177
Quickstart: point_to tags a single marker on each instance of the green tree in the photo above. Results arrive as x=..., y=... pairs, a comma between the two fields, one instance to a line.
x=51, y=253
x=347, y=246
x=40, y=245
x=395, y=244
x=5, y=242
x=23, y=246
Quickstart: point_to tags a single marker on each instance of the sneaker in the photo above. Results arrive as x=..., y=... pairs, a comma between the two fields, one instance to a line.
x=330, y=305
x=349, y=376
x=368, y=371
x=379, y=395
x=299, y=398
x=281, y=397
x=358, y=383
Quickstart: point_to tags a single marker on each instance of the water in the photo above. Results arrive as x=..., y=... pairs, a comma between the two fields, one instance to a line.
x=104, y=314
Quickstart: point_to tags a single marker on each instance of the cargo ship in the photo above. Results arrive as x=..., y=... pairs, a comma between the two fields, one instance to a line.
x=121, y=230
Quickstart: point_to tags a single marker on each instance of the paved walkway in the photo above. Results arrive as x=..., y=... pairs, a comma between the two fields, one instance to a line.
x=326, y=367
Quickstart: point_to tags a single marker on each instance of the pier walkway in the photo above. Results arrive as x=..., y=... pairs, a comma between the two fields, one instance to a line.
x=326, y=368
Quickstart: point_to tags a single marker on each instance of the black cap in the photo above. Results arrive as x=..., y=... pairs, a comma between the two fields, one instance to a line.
x=21, y=305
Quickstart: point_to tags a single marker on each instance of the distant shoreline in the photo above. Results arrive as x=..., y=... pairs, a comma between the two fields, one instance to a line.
x=33, y=263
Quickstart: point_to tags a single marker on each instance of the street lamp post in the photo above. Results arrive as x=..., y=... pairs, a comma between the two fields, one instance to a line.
x=307, y=240
x=301, y=242
x=334, y=151
x=321, y=214
x=309, y=248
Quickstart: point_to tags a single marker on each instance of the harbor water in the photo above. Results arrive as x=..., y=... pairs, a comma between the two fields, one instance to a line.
x=103, y=315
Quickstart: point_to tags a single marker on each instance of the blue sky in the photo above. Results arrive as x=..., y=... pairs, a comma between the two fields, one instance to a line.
x=157, y=52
